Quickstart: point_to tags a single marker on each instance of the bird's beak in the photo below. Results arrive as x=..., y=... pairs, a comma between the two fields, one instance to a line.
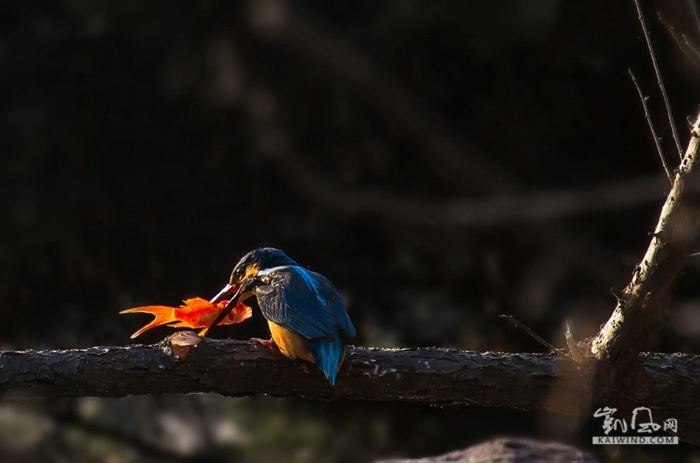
x=227, y=290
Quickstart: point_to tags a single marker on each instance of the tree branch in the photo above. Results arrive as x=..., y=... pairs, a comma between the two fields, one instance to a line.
x=659, y=80
x=696, y=14
x=508, y=450
x=470, y=212
x=692, y=58
x=451, y=156
x=431, y=375
x=646, y=297
x=652, y=129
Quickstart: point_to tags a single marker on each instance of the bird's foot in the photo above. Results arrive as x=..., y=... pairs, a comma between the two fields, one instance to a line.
x=269, y=343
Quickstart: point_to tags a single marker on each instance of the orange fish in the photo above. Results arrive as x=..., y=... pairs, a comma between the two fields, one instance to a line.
x=194, y=313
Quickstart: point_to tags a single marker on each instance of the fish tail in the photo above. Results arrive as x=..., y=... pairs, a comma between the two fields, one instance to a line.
x=329, y=355
x=163, y=314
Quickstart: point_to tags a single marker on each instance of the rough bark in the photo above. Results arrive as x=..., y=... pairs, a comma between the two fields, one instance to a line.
x=437, y=376
x=509, y=450
x=646, y=297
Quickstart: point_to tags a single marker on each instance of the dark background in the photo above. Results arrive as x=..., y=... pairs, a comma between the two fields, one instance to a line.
x=146, y=146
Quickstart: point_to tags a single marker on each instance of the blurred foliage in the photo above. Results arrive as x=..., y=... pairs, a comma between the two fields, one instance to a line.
x=134, y=173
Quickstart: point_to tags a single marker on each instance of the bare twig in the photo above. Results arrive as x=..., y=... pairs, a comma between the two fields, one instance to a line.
x=645, y=298
x=651, y=127
x=482, y=212
x=536, y=336
x=693, y=58
x=696, y=13
x=690, y=45
x=574, y=350
x=274, y=142
x=659, y=80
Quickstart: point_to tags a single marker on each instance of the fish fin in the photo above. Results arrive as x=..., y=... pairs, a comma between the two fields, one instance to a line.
x=163, y=314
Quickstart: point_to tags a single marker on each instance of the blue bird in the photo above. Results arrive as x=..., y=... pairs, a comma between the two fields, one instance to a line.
x=304, y=311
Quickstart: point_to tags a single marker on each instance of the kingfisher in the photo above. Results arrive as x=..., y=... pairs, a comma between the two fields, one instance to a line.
x=306, y=316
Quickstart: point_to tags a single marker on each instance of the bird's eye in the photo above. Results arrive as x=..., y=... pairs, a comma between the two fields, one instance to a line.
x=238, y=274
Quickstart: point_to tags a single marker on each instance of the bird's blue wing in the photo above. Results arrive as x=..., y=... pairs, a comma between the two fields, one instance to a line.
x=336, y=306
x=305, y=303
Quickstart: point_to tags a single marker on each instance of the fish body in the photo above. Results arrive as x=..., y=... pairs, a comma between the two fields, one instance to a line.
x=194, y=313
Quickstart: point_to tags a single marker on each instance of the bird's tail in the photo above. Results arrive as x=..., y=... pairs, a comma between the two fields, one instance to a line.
x=163, y=314
x=329, y=355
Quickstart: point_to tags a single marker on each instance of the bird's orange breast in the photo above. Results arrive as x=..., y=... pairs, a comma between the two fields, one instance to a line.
x=290, y=344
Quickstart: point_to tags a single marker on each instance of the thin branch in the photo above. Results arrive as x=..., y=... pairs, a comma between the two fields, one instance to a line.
x=467, y=212
x=574, y=350
x=428, y=375
x=690, y=45
x=274, y=143
x=696, y=13
x=651, y=127
x=659, y=80
x=692, y=58
x=537, y=337
x=646, y=297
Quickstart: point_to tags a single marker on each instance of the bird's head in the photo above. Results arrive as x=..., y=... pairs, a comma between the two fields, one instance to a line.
x=243, y=277
x=257, y=261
